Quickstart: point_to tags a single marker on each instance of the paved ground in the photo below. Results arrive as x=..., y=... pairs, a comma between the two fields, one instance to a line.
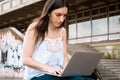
x=11, y=74
x=11, y=78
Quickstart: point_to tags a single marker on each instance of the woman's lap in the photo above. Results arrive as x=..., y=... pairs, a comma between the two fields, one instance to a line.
x=50, y=77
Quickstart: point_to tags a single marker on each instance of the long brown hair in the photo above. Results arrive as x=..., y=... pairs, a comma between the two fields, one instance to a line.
x=43, y=20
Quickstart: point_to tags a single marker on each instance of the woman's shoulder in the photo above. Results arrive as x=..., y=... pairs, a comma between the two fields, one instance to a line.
x=32, y=25
x=63, y=30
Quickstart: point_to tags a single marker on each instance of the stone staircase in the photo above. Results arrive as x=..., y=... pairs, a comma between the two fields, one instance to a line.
x=109, y=69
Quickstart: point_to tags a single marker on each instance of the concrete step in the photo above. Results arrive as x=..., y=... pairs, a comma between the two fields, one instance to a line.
x=112, y=65
x=111, y=78
x=109, y=69
x=115, y=70
x=104, y=69
x=104, y=72
x=109, y=75
x=110, y=60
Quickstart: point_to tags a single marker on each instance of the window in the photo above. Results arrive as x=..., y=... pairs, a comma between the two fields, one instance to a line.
x=114, y=24
x=94, y=12
x=103, y=10
x=118, y=6
x=99, y=26
x=71, y=17
x=84, y=29
x=112, y=8
x=99, y=38
x=72, y=31
x=114, y=36
x=79, y=15
x=87, y=13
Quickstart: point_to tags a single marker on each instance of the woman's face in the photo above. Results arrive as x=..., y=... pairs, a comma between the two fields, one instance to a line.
x=57, y=16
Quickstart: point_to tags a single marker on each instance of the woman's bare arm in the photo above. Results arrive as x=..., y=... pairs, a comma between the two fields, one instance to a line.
x=28, y=48
x=65, y=47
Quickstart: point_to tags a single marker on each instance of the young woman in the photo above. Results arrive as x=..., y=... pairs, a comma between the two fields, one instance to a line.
x=44, y=47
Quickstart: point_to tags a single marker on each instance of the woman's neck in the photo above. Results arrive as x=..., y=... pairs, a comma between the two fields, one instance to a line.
x=53, y=32
x=53, y=29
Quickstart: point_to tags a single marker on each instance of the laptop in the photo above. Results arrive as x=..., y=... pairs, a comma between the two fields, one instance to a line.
x=82, y=64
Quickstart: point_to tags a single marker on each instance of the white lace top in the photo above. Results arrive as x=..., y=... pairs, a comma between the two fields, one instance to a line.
x=50, y=52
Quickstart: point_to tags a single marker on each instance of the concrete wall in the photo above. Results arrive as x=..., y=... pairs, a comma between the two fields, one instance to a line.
x=10, y=5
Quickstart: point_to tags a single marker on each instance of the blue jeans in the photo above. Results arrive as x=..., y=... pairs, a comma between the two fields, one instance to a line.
x=50, y=77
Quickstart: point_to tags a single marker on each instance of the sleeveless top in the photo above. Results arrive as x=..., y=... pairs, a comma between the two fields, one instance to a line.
x=49, y=52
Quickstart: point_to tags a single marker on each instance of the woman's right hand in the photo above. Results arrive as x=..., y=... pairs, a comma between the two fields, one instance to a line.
x=55, y=70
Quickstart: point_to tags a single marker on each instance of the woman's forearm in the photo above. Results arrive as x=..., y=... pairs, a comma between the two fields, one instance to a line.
x=30, y=62
x=65, y=60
